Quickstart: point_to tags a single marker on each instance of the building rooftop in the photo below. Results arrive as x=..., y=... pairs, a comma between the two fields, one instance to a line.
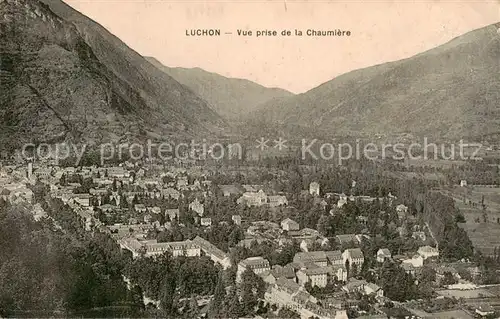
x=310, y=256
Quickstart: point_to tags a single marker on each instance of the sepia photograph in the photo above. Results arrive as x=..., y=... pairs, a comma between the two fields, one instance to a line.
x=267, y=159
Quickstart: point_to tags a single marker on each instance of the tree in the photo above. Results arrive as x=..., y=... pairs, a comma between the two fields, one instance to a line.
x=219, y=297
x=287, y=313
x=252, y=289
x=192, y=311
x=325, y=227
x=448, y=279
x=428, y=274
x=232, y=307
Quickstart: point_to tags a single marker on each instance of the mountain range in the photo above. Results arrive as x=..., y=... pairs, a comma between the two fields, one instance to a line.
x=449, y=92
x=63, y=76
x=234, y=99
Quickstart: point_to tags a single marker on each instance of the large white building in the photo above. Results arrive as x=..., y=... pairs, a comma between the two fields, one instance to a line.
x=428, y=252
x=153, y=248
x=257, y=264
x=316, y=276
x=217, y=255
x=253, y=198
x=355, y=257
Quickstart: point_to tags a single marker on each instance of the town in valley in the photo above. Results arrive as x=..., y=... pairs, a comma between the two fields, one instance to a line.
x=265, y=238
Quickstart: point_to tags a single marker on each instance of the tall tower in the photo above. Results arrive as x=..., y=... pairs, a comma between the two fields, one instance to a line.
x=30, y=169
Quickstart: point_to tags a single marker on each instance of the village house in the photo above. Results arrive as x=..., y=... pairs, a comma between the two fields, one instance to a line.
x=401, y=210
x=215, y=254
x=206, y=221
x=313, y=274
x=155, y=210
x=314, y=189
x=305, y=244
x=182, y=183
x=277, y=200
x=82, y=199
x=140, y=208
x=416, y=261
x=107, y=208
x=485, y=310
x=98, y=192
x=342, y=200
x=289, y=225
x=236, y=219
x=253, y=198
x=150, y=182
x=256, y=264
x=250, y=239
x=252, y=188
x=43, y=173
x=428, y=252
x=153, y=248
x=335, y=257
x=172, y=213
x=339, y=272
x=317, y=257
x=147, y=218
x=383, y=254
x=170, y=193
x=354, y=256
x=283, y=293
x=419, y=235
x=16, y=193
x=102, y=182
x=409, y=268
x=373, y=289
x=304, y=234
x=286, y=271
x=354, y=285
x=228, y=190
x=197, y=207
x=347, y=239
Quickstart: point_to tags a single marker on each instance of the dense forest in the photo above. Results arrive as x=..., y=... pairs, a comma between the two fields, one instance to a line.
x=54, y=268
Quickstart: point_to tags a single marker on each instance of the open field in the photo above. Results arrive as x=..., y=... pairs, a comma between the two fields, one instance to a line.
x=453, y=314
x=468, y=200
x=482, y=226
x=484, y=236
x=436, y=163
x=411, y=175
x=466, y=294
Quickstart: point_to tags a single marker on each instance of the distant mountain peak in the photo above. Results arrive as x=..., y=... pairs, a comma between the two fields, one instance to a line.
x=232, y=98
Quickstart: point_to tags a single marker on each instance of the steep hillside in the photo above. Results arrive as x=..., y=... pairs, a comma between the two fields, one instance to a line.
x=65, y=77
x=450, y=92
x=231, y=98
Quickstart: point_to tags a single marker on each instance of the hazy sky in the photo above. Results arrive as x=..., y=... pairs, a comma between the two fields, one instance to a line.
x=381, y=31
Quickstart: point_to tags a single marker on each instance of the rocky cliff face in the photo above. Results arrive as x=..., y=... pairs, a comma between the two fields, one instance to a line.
x=59, y=82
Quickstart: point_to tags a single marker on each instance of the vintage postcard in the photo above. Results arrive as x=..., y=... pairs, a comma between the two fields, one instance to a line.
x=249, y=159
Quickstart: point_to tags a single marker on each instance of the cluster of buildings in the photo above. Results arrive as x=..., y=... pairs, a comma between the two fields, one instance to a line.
x=286, y=285
x=187, y=248
x=13, y=186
